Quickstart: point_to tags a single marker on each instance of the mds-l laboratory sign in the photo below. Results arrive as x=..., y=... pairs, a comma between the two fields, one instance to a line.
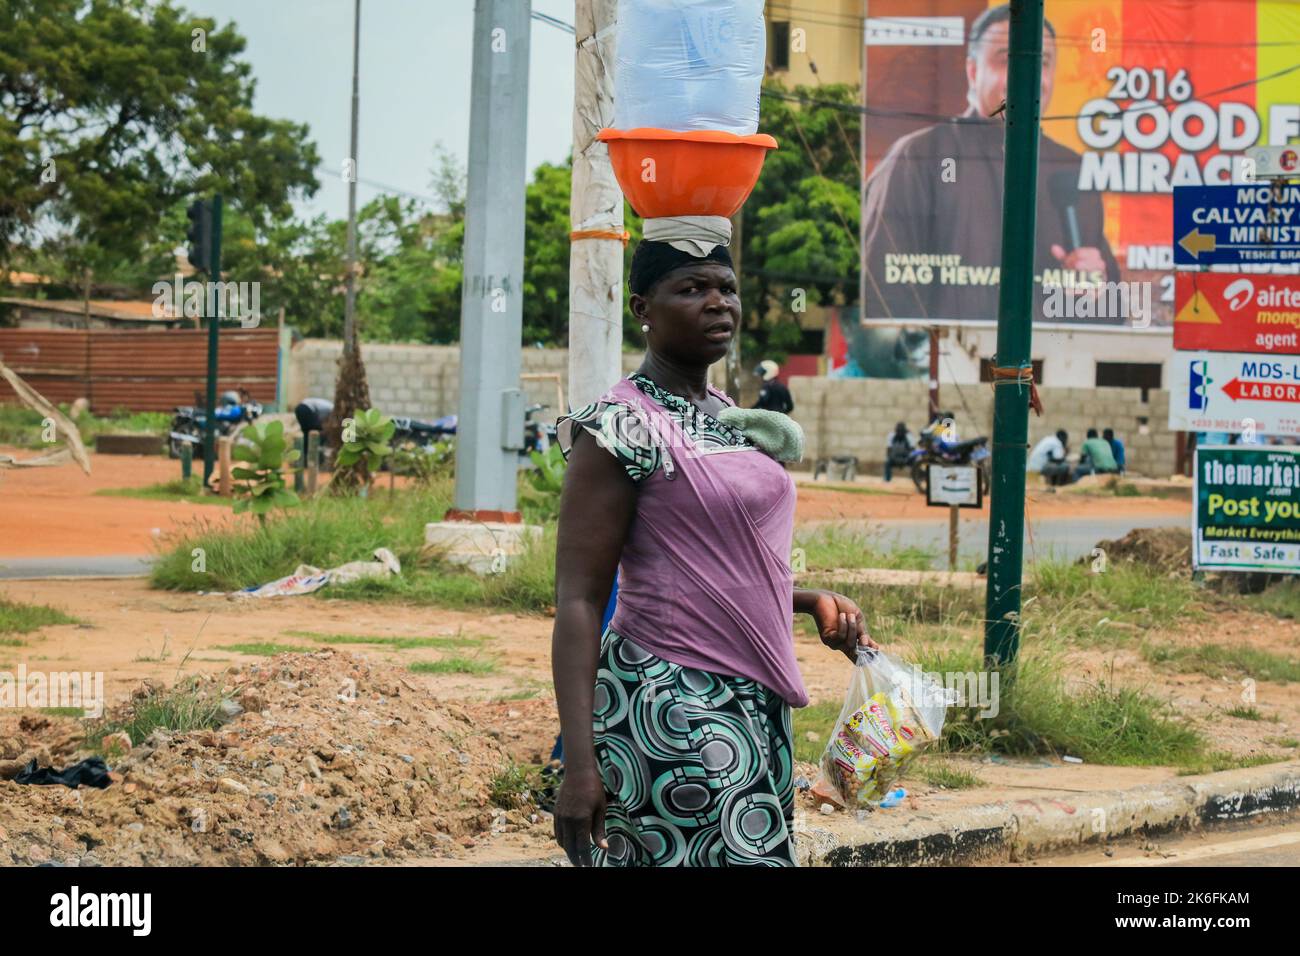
x=1234, y=392
x=1247, y=515
x=1236, y=224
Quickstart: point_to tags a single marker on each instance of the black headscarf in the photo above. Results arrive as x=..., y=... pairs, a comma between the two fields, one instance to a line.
x=654, y=260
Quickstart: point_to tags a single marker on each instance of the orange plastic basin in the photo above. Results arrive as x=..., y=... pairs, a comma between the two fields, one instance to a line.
x=664, y=172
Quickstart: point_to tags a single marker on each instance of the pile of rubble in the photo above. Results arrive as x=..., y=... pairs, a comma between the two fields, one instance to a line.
x=323, y=758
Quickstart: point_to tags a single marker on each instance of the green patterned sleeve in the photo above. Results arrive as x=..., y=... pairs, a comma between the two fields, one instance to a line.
x=616, y=428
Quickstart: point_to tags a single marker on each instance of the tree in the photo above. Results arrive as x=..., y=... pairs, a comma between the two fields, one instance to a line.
x=114, y=111
x=801, y=221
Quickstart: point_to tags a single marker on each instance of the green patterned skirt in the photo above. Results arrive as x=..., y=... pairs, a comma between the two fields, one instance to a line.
x=698, y=768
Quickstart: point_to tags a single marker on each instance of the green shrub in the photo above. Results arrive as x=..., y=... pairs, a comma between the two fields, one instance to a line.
x=260, y=486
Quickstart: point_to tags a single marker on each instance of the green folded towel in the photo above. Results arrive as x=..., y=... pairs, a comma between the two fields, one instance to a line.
x=774, y=432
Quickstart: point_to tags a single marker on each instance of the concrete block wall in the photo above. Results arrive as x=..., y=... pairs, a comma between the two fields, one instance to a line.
x=839, y=416
x=422, y=381
x=855, y=417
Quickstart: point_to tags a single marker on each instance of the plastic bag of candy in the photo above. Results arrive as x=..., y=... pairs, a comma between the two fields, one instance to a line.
x=891, y=711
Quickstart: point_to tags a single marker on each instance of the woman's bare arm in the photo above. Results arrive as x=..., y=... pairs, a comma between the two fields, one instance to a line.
x=596, y=508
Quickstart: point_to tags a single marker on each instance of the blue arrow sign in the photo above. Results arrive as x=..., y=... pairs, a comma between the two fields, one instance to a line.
x=1238, y=225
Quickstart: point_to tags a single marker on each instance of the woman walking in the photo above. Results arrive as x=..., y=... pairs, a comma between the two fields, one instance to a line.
x=676, y=721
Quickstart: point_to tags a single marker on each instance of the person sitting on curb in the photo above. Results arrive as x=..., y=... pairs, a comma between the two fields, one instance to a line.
x=1095, y=457
x=1116, y=449
x=1049, y=459
x=898, y=449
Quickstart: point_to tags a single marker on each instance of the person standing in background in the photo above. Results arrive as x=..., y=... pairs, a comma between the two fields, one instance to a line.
x=773, y=396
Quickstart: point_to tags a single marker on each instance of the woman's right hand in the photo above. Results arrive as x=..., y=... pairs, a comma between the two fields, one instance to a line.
x=580, y=815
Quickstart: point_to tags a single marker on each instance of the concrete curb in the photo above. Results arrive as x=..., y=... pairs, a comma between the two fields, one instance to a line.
x=1022, y=828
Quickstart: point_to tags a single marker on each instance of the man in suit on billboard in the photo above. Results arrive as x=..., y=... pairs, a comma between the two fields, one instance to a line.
x=934, y=202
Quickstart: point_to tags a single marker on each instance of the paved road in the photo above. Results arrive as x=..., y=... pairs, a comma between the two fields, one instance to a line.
x=1063, y=539
x=1268, y=844
x=102, y=567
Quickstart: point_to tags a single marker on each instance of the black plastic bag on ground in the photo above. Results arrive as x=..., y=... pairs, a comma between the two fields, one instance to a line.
x=91, y=772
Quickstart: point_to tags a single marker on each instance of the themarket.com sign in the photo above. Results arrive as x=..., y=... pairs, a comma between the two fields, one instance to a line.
x=1247, y=514
x=1229, y=312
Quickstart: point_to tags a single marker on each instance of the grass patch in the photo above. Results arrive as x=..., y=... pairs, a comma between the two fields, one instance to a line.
x=1290, y=742
x=179, y=710
x=1068, y=602
x=1281, y=600
x=24, y=427
x=263, y=649
x=516, y=786
x=398, y=643
x=1248, y=713
x=937, y=772
x=1223, y=660
x=12, y=642
x=453, y=665
x=63, y=711
x=1041, y=712
x=526, y=585
x=827, y=547
x=19, y=618
x=329, y=531
x=326, y=531
x=188, y=490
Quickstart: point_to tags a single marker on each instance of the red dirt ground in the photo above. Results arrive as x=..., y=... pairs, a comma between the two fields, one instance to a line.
x=54, y=512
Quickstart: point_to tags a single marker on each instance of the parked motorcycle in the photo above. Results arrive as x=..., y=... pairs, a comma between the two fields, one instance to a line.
x=538, y=436
x=933, y=449
x=190, y=421
x=421, y=433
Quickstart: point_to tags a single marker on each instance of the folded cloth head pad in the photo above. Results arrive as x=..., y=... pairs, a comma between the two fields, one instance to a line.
x=653, y=260
x=774, y=432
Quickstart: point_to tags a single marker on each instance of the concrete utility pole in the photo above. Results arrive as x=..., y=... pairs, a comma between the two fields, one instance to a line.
x=1013, y=374
x=595, y=212
x=490, y=433
x=350, y=303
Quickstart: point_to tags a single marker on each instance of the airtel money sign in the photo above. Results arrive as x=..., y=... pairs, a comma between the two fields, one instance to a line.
x=1227, y=312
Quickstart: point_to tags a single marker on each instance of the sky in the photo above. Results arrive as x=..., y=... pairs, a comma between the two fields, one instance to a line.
x=415, y=84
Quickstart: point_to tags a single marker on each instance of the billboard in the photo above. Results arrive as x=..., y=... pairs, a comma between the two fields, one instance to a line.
x=1227, y=312
x=1234, y=392
x=1139, y=97
x=1247, y=515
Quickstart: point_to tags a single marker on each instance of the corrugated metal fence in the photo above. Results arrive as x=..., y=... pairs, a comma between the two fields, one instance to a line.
x=138, y=370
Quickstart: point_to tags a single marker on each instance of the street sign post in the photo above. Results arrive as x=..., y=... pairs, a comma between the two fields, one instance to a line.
x=1237, y=225
x=1234, y=392
x=1247, y=514
x=1232, y=312
x=953, y=487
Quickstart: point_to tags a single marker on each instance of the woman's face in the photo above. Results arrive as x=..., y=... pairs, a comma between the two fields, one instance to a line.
x=693, y=313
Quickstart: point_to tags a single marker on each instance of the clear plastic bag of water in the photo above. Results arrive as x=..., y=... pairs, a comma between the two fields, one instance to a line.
x=689, y=65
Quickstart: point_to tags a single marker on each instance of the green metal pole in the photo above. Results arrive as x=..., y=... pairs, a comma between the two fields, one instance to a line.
x=1015, y=316
x=214, y=328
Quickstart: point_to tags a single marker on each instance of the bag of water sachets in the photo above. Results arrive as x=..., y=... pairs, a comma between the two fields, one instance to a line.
x=891, y=711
